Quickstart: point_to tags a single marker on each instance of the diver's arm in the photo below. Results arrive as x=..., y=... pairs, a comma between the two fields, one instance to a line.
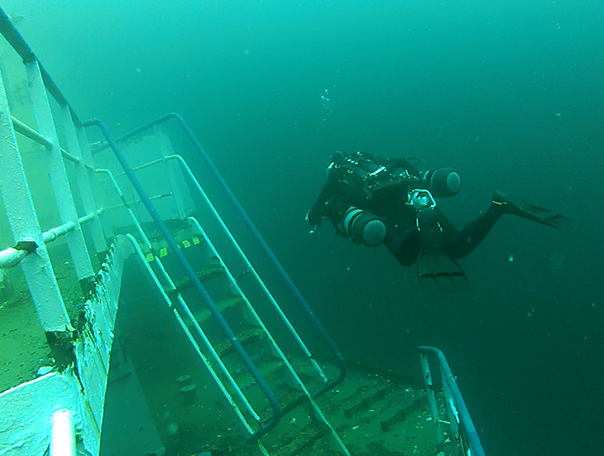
x=461, y=243
x=319, y=209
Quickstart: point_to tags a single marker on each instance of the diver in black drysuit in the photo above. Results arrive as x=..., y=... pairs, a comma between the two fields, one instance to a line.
x=385, y=200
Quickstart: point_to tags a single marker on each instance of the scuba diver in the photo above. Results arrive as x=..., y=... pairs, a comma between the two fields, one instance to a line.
x=382, y=200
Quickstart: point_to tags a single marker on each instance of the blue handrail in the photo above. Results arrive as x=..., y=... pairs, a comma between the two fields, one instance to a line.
x=195, y=281
x=258, y=237
x=464, y=415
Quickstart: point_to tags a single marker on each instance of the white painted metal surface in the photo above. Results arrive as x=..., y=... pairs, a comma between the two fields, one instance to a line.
x=27, y=410
x=25, y=226
x=62, y=437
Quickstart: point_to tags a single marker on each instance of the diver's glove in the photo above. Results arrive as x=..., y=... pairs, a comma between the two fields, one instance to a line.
x=530, y=212
x=313, y=221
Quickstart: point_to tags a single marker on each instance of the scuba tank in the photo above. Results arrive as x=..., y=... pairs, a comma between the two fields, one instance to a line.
x=442, y=182
x=364, y=227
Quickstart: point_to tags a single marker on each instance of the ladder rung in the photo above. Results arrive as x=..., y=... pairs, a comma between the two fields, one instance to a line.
x=401, y=415
x=367, y=402
x=306, y=437
x=203, y=276
x=222, y=305
x=245, y=338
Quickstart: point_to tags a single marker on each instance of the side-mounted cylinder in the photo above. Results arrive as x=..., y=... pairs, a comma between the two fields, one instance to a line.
x=364, y=227
x=441, y=182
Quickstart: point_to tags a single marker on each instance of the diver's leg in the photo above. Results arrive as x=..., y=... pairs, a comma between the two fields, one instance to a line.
x=405, y=248
x=459, y=243
x=464, y=241
x=426, y=245
x=530, y=212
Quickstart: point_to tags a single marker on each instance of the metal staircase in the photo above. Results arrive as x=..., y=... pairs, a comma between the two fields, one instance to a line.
x=200, y=341
x=254, y=375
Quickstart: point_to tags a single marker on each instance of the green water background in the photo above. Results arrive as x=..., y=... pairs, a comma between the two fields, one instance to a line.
x=510, y=93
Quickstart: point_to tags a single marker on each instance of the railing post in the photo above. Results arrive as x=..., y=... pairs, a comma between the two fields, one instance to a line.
x=62, y=439
x=57, y=172
x=177, y=186
x=73, y=144
x=462, y=427
x=431, y=398
x=24, y=225
x=452, y=412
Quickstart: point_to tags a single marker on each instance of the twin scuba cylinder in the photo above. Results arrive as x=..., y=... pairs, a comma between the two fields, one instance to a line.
x=369, y=229
x=441, y=182
x=364, y=227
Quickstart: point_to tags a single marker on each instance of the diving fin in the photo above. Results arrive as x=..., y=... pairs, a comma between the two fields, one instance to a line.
x=530, y=212
x=437, y=271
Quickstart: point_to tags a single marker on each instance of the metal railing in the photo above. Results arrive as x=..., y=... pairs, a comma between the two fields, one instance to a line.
x=249, y=364
x=255, y=233
x=12, y=256
x=459, y=419
x=26, y=229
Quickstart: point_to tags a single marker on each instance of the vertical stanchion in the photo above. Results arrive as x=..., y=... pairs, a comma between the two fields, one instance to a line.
x=25, y=227
x=57, y=172
x=431, y=398
x=82, y=177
